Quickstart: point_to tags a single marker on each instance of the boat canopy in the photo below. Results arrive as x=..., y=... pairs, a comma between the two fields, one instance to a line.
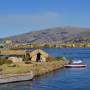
x=78, y=61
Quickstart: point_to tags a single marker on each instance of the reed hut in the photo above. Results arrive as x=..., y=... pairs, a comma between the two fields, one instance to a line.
x=38, y=55
x=13, y=55
x=12, y=52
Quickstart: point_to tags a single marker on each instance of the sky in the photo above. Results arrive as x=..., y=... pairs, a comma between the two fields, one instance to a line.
x=21, y=16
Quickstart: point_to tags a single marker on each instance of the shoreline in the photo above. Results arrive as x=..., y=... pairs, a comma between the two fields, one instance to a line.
x=38, y=69
x=50, y=68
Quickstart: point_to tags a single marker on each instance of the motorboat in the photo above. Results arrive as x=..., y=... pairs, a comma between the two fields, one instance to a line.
x=76, y=64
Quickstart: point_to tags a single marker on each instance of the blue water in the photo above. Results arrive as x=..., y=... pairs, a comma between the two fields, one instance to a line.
x=65, y=79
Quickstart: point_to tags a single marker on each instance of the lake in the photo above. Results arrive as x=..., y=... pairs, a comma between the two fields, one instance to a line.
x=65, y=79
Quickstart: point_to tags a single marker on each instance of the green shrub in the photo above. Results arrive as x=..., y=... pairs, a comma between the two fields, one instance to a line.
x=5, y=61
x=1, y=46
x=61, y=58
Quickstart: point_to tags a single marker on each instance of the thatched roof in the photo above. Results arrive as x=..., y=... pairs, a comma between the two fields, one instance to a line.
x=33, y=53
x=12, y=52
x=23, y=52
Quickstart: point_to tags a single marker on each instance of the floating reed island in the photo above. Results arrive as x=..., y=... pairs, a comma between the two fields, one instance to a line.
x=33, y=64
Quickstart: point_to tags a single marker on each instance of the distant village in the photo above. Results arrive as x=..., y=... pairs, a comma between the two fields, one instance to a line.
x=9, y=44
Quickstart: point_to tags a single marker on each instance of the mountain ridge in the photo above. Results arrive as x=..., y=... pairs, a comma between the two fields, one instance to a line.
x=50, y=35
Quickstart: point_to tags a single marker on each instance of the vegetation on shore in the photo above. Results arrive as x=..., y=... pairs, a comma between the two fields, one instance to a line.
x=38, y=68
x=5, y=61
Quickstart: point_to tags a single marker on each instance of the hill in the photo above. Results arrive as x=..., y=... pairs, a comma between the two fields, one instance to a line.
x=53, y=35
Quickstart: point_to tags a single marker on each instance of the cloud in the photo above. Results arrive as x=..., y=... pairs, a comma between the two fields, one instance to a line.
x=15, y=24
x=34, y=18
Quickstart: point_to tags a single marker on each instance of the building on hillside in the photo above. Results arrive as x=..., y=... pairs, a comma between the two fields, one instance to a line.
x=9, y=44
x=8, y=41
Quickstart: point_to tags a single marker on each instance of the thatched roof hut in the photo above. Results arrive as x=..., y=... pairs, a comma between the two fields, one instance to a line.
x=12, y=52
x=35, y=55
x=38, y=55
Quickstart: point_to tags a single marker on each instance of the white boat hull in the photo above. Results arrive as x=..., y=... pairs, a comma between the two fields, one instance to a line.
x=75, y=66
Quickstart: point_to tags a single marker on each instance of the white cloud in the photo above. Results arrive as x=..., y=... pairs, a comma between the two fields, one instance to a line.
x=34, y=18
x=15, y=24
